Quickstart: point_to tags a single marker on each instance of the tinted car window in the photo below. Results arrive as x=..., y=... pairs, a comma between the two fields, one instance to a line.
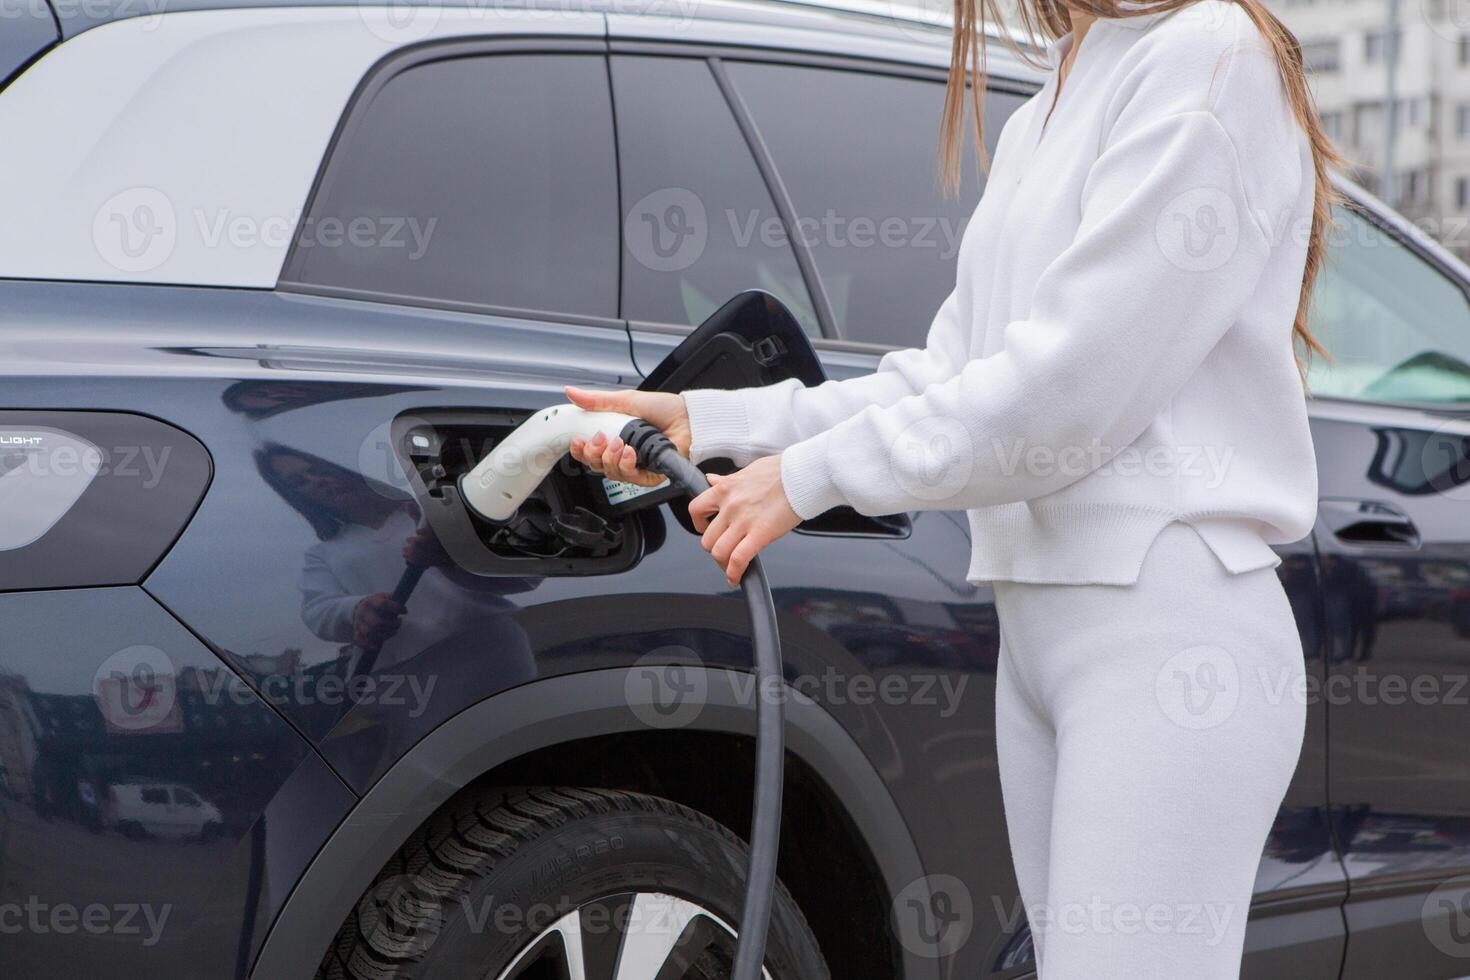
x=699, y=223
x=857, y=152
x=1397, y=328
x=481, y=180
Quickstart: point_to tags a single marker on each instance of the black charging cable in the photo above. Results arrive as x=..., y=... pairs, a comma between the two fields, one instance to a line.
x=656, y=453
x=407, y=582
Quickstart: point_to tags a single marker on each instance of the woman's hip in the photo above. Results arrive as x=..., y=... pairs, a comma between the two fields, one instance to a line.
x=1188, y=642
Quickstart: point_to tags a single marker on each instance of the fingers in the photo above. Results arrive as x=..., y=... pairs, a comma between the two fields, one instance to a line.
x=721, y=540
x=599, y=401
x=613, y=456
x=594, y=454
x=702, y=509
x=585, y=454
x=729, y=542
x=736, y=548
x=424, y=554
x=738, y=520
x=740, y=558
x=715, y=527
x=381, y=608
x=375, y=619
x=614, y=459
x=620, y=462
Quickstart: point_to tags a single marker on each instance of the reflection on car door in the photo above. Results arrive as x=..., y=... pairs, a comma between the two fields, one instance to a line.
x=1391, y=423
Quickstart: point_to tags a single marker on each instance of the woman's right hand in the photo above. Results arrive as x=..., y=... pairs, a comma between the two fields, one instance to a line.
x=611, y=457
x=374, y=621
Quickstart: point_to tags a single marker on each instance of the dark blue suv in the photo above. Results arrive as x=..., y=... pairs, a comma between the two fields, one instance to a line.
x=273, y=703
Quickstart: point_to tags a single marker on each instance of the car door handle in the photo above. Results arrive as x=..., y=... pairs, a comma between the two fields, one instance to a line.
x=1368, y=522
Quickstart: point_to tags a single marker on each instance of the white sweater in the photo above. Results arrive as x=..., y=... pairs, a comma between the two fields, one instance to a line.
x=1117, y=352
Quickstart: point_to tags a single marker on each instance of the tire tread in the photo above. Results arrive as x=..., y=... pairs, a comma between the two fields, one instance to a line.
x=462, y=842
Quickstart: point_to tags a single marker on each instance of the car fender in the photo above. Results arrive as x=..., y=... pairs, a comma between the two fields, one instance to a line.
x=517, y=722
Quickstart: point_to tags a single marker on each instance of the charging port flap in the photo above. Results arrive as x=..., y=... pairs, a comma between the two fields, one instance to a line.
x=752, y=340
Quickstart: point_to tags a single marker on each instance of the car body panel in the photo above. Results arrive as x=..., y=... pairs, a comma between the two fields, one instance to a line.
x=837, y=626
x=107, y=707
x=1397, y=637
x=592, y=704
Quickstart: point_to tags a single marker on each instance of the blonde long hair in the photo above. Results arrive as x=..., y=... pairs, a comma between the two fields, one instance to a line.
x=1050, y=19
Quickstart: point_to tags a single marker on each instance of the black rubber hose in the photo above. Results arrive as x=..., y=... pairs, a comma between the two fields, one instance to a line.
x=407, y=582
x=657, y=454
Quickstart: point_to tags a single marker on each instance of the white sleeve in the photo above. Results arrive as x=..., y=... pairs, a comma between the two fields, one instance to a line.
x=746, y=424
x=326, y=607
x=1118, y=323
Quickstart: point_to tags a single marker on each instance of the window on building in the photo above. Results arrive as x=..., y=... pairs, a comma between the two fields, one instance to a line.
x=1465, y=49
x=1376, y=46
x=1408, y=113
x=1462, y=193
x=1367, y=122
x=1332, y=124
x=1411, y=185
x=1323, y=56
x=1462, y=120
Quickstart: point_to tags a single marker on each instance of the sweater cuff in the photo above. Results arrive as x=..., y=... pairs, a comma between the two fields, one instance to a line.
x=807, y=480
x=718, y=424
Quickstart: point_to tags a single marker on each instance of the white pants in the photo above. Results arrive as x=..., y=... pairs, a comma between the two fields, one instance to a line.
x=1146, y=736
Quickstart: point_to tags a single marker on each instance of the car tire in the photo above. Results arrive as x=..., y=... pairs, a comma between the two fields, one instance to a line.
x=517, y=884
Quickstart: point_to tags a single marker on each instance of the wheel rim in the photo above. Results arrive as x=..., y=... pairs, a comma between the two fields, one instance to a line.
x=635, y=936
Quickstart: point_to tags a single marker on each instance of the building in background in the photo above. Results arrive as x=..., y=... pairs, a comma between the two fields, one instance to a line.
x=1353, y=67
x=1357, y=74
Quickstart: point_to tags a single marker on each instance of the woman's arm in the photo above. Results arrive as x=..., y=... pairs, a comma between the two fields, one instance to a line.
x=336, y=615
x=326, y=607
x=1119, y=321
x=746, y=424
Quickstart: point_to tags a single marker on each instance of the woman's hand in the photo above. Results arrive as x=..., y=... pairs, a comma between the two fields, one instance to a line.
x=611, y=457
x=374, y=621
x=742, y=513
x=422, y=549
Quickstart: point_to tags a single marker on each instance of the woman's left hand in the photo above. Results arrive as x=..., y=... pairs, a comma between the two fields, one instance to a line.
x=742, y=513
x=424, y=550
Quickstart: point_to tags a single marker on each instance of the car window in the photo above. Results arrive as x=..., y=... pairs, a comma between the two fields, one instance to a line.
x=154, y=794
x=483, y=180
x=699, y=223
x=857, y=152
x=185, y=797
x=1396, y=327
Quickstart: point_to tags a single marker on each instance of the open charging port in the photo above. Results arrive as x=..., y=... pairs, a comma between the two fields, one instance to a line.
x=574, y=523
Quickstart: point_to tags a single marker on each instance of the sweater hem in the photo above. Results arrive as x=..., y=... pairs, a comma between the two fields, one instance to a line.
x=1096, y=544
